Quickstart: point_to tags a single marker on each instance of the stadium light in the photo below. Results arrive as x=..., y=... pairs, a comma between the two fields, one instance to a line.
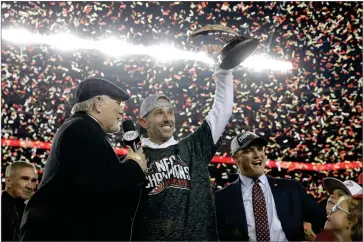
x=117, y=48
x=68, y=42
x=20, y=36
x=263, y=62
x=114, y=47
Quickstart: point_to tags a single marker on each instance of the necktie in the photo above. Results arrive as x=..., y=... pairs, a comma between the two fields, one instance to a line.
x=260, y=212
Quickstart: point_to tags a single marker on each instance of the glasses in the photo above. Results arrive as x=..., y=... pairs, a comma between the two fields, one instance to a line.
x=336, y=206
x=334, y=209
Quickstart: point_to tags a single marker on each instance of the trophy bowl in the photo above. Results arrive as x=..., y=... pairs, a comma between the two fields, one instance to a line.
x=236, y=52
x=237, y=48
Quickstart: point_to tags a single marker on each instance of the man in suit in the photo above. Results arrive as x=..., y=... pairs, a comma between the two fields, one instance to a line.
x=86, y=193
x=21, y=180
x=257, y=207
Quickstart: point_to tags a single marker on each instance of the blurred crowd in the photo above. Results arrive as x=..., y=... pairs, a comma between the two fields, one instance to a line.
x=311, y=114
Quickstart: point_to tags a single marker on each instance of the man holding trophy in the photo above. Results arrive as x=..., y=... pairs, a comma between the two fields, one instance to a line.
x=179, y=202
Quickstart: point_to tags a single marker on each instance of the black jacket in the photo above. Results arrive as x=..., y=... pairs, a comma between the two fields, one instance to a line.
x=86, y=193
x=293, y=206
x=11, y=212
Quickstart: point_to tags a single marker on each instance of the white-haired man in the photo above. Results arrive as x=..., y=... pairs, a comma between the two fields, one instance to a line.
x=86, y=194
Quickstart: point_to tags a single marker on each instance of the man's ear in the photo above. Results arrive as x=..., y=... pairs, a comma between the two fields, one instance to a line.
x=8, y=182
x=97, y=103
x=234, y=157
x=143, y=123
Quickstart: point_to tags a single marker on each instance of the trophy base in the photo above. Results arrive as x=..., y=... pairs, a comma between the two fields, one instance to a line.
x=237, y=51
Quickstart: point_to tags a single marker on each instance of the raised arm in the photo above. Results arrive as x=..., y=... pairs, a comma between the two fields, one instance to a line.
x=221, y=111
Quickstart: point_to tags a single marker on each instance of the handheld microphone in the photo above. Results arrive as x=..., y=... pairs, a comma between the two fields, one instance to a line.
x=131, y=136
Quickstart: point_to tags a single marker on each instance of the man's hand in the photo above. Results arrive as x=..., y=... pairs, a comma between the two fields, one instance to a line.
x=213, y=51
x=309, y=233
x=137, y=156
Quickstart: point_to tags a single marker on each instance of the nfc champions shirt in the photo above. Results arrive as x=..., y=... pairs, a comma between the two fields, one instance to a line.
x=180, y=203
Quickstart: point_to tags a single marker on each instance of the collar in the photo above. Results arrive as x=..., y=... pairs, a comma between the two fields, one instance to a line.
x=6, y=195
x=146, y=142
x=95, y=120
x=247, y=181
x=101, y=124
x=96, y=126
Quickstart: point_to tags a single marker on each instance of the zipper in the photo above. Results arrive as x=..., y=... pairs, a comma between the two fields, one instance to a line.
x=133, y=219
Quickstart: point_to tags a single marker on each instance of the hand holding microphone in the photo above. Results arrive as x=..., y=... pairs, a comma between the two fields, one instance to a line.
x=131, y=138
x=139, y=157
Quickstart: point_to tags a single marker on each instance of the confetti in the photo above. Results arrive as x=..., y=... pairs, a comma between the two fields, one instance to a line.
x=311, y=115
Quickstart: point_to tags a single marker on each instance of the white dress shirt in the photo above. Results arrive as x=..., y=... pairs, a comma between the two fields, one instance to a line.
x=276, y=232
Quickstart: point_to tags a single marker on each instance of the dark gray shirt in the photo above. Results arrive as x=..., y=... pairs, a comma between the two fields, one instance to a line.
x=180, y=204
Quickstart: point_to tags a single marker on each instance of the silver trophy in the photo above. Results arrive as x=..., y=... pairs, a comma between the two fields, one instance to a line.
x=236, y=49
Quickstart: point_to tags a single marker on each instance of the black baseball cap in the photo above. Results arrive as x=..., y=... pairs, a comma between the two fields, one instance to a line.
x=244, y=139
x=92, y=87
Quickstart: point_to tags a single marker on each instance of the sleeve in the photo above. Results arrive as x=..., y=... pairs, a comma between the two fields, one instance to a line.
x=202, y=141
x=219, y=215
x=312, y=212
x=221, y=111
x=207, y=138
x=7, y=232
x=227, y=233
x=84, y=169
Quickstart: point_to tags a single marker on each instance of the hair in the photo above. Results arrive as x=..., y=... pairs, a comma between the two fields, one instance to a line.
x=355, y=209
x=85, y=106
x=341, y=193
x=13, y=167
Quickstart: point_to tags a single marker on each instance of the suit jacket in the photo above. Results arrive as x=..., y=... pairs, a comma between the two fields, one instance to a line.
x=293, y=206
x=86, y=193
x=11, y=212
